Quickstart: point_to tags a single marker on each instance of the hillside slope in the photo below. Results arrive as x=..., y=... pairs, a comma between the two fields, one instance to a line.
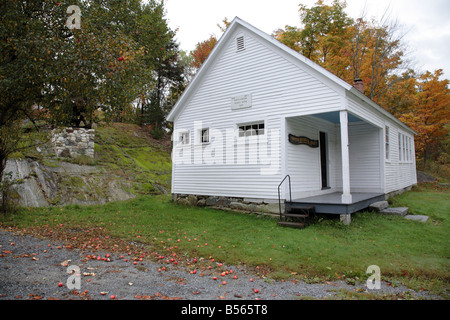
x=127, y=162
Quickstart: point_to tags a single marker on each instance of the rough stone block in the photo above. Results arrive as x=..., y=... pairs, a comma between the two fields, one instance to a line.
x=400, y=211
x=346, y=219
x=183, y=201
x=237, y=206
x=419, y=218
x=378, y=206
x=192, y=200
x=212, y=201
x=274, y=208
x=74, y=141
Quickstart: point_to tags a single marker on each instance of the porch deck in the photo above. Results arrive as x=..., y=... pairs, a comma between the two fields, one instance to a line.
x=332, y=203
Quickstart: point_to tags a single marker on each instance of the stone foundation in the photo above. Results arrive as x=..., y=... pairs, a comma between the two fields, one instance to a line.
x=259, y=206
x=73, y=142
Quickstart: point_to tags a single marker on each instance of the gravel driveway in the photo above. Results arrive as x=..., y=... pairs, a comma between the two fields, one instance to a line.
x=37, y=268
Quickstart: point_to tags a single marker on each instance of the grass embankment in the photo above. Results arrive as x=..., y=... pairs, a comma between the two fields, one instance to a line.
x=406, y=251
x=127, y=150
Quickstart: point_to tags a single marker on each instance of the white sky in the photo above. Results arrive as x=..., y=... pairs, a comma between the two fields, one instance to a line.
x=426, y=23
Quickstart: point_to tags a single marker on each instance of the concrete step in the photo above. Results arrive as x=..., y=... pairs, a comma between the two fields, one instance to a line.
x=379, y=205
x=419, y=218
x=400, y=211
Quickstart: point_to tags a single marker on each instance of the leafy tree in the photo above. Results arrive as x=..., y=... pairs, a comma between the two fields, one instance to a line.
x=369, y=50
x=162, y=67
x=204, y=48
x=374, y=52
x=290, y=36
x=324, y=28
x=96, y=65
x=62, y=74
x=429, y=115
x=377, y=54
x=202, y=51
x=30, y=34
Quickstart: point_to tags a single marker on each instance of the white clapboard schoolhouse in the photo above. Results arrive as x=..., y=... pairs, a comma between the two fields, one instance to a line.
x=260, y=126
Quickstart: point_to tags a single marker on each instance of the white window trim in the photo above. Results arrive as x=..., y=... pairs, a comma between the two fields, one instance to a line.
x=251, y=124
x=387, y=144
x=405, y=148
x=252, y=139
x=200, y=136
x=182, y=142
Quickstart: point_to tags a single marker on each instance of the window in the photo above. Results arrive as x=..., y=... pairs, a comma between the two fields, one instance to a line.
x=409, y=149
x=387, y=144
x=205, y=136
x=184, y=138
x=405, y=148
x=253, y=129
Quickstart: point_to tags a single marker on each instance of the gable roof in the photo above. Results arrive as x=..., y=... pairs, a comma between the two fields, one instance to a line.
x=239, y=22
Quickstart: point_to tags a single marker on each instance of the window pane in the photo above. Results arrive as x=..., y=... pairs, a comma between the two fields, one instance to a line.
x=254, y=129
x=205, y=135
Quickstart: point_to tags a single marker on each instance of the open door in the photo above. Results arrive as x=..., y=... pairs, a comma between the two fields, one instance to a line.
x=323, y=159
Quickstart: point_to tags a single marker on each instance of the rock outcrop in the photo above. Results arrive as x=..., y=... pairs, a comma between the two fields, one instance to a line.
x=63, y=183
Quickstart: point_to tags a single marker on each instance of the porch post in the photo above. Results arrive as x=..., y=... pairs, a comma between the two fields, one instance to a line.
x=346, y=195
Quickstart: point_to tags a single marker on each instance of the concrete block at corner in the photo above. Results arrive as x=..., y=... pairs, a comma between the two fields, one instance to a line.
x=419, y=218
x=378, y=206
x=400, y=211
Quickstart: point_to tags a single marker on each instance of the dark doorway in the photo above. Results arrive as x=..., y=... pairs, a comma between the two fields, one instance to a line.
x=323, y=159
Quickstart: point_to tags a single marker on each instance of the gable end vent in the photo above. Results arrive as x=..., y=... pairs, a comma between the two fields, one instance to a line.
x=240, y=43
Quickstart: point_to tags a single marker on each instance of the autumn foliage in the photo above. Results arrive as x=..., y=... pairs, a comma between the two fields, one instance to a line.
x=202, y=51
x=374, y=52
x=428, y=114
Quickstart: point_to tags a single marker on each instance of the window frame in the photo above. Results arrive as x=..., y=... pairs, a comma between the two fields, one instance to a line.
x=251, y=129
x=405, y=148
x=182, y=141
x=205, y=132
x=387, y=144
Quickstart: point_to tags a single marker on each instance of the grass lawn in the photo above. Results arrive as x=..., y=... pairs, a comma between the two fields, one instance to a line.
x=406, y=251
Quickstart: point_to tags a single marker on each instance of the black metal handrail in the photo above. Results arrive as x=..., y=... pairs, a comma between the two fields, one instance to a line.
x=290, y=192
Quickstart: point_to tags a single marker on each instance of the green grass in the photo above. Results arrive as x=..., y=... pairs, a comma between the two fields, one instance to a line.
x=126, y=151
x=407, y=251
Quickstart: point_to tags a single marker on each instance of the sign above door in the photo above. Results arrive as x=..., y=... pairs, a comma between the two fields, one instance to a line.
x=303, y=140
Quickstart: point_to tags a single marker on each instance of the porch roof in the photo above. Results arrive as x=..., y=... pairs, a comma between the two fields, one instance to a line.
x=334, y=117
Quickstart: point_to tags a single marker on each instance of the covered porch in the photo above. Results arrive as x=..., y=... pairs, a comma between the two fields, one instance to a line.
x=343, y=171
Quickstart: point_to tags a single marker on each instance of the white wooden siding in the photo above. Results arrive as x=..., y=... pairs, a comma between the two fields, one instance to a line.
x=303, y=162
x=398, y=174
x=277, y=87
x=365, y=164
x=283, y=92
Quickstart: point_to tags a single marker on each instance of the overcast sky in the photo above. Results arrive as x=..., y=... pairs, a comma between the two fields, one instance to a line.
x=426, y=23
